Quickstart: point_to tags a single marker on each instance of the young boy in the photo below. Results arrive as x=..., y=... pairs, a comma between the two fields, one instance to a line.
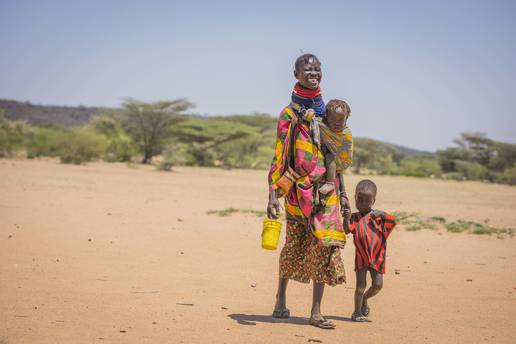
x=370, y=230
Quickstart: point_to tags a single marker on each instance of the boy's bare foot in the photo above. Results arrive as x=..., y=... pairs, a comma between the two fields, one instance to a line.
x=358, y=317
x=365, y=309
x=322, y=322
x=281, y=313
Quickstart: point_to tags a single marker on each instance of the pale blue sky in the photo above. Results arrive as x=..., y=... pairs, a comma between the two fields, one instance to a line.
x=416, y=73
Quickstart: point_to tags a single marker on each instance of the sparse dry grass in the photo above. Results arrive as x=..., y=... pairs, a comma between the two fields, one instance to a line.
x=231, y=211
x=415, y=222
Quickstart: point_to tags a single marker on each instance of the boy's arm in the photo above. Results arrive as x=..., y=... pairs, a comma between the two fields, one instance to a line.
x=389, y=222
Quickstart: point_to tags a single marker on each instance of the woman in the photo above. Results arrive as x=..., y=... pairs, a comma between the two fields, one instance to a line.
x=308, y=254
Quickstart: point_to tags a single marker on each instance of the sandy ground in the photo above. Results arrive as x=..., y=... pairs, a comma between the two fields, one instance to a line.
x=105, y=253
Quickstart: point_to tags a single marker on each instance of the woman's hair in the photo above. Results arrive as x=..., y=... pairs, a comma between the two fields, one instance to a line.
x=334, y=104
x=366, y=185
x=304, y=59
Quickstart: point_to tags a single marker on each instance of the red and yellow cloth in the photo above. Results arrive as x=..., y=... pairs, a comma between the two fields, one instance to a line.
x=326, y=225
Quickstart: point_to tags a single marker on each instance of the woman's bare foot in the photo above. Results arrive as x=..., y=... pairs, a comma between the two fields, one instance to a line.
x=321, y=322
x=281, y=313
x=280, y=309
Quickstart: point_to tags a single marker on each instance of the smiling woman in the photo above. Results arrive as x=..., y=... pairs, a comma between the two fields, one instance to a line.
x=308, y=71
x=311, y=251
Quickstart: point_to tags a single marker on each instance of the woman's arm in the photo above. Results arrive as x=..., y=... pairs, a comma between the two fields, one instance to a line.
x=343, y=196
x=349, y=223
x=278, y=163
x=273, y=206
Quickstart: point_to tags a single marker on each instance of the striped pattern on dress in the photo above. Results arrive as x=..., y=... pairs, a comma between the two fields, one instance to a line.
x=370, y=233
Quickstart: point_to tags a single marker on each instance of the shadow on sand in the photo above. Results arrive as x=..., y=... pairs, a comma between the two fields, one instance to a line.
x=252, y=319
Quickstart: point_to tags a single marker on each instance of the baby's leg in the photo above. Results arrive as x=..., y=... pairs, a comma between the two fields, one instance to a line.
x=331, y=173
x=376, y=286
x=359, y=290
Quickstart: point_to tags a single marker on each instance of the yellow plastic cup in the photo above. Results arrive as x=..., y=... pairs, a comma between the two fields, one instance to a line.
x=270, y=234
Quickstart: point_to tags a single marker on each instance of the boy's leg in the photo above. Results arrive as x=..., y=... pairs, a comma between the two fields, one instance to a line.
x=376, y=286
x=359, y=290
x=316, y=318
x=280, y=309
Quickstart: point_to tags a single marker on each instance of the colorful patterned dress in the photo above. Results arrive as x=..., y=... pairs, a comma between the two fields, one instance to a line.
x=370, y=232
x=312, y=247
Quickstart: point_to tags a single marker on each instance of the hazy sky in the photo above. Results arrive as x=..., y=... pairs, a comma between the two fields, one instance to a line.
x=416, y=73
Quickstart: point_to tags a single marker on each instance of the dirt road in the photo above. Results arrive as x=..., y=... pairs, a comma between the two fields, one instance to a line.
x=105, y=253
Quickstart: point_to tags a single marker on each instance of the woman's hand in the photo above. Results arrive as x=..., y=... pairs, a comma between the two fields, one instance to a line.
x=273, y=207
x=346, y=214
x=344, y=205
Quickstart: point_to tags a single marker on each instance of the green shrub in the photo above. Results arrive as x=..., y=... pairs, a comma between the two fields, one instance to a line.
x=438, y=219
x=455, y=176
x=44, y=142
x=471, y=170
x=231, y=211
x=81, y=145
x=175, y=154
x=419, y=167
x=375, y=155
x=12, y=135
x=221, y=142
x=403, y=217
x=120, y=146
x=507, y=177
x=459, y=226
x=449, y=156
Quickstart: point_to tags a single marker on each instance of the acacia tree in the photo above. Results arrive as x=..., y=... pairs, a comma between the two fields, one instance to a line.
x=205, y=136
x=150, y=124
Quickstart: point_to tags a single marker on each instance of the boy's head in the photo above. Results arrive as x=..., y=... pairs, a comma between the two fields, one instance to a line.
x=337, y=113
x=365, y=195
x=307, y=71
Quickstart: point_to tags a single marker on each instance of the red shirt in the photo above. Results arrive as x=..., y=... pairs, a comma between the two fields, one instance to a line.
x=370, y=232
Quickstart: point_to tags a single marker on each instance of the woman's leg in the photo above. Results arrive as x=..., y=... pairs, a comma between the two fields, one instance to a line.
x=316, y=300
x=316, y=318
x=280, y=309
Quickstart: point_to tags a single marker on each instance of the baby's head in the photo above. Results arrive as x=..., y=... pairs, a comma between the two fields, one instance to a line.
x=365, y=195
x=337, y=113
x=307, y=71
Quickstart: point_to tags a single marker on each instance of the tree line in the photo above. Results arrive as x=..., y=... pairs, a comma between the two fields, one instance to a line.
x=163, y=133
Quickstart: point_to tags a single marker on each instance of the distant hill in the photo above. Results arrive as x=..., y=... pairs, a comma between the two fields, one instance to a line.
x=411, y=151
x=71, y=116
x=47, y=115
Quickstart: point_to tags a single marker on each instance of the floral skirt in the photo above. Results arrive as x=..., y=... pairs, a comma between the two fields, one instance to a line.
x=303, y=258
